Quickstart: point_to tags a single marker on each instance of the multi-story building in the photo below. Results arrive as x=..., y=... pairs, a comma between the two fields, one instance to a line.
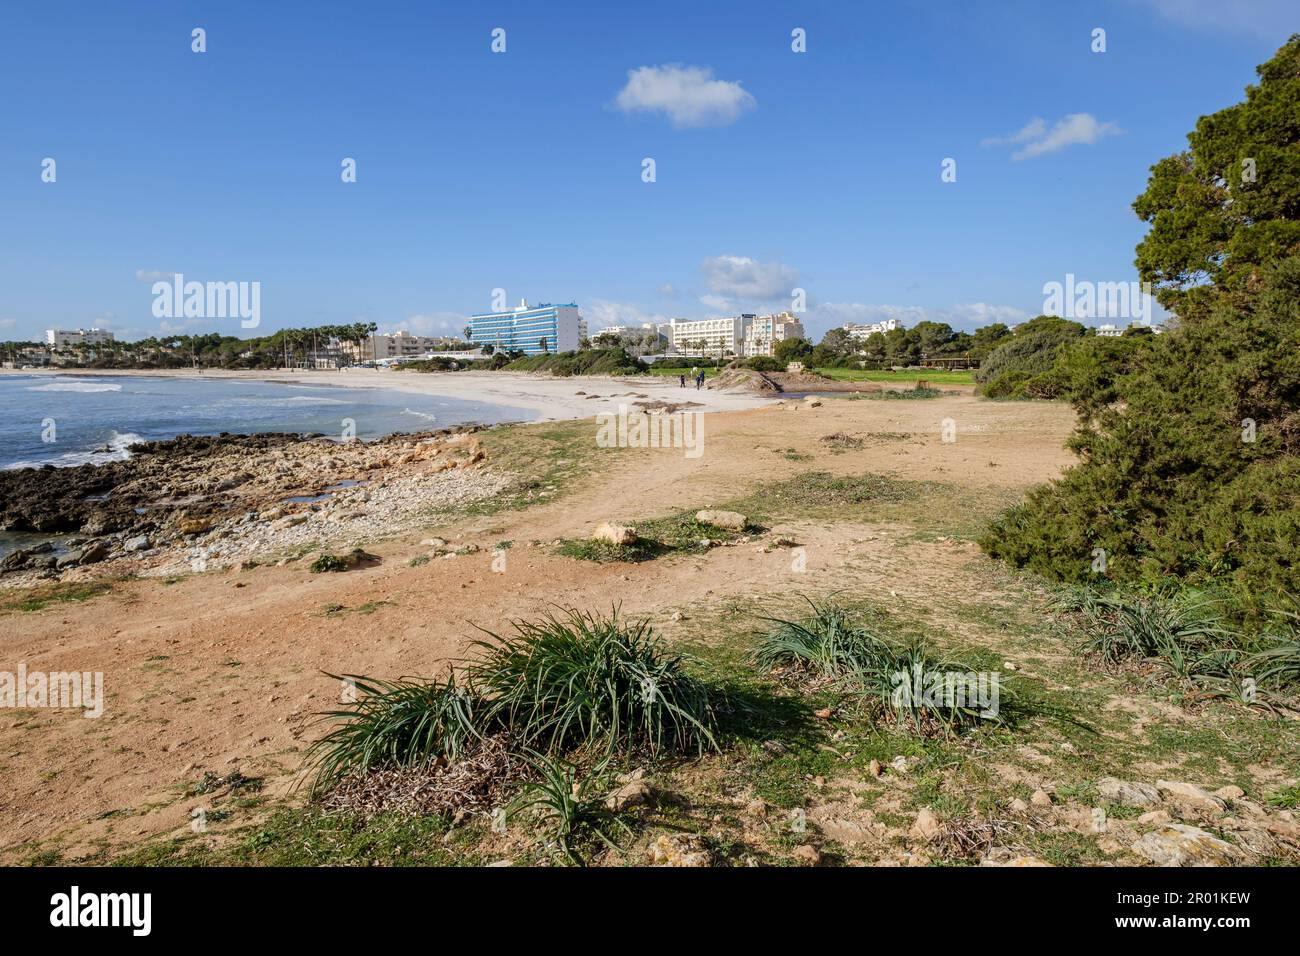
x=400, y=344
x=1114, y=331
x=531, y=330
x=862, y=332
x=70, y=338
x=711, y=337
x=764, y=331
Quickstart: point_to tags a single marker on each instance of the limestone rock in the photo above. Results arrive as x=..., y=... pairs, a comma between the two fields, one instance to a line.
x=1128, y=793
x=730, y=520
x=1190, y=794
x=926, y=825
x=807, y=854
x=634, y=793
x=616, y=534
x=1176, y=844
x=679, y=850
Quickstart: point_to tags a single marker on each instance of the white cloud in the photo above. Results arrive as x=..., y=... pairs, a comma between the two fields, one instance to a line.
x=432, y=324
x=687, y=95
x=1036, y=139
x=1035, y=128
x=154, y=275
x=602, y=313
x=744, y=278
x=718, y=303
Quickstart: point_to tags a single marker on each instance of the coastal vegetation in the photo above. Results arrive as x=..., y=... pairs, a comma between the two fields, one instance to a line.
x=1188, y=444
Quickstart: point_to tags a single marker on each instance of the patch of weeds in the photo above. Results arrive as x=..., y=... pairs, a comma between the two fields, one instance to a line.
x=418, y=561
x=503, y=545
x=605, y=552
x=1288, y=798
x=369, y=607
x=894, y=681
x=39, y=598
x=841, y=441
x=332, y=562
x=234, y=782
x=570, y=806
x=328, y=562
x=895, y=394
x=659, y=537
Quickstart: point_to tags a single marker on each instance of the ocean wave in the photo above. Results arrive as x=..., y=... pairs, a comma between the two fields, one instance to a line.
x=294, y=400
x=117, y=448
x=75, y=386
x=411, y=411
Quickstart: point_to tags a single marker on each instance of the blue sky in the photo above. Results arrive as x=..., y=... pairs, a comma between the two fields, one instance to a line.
x=522, y=170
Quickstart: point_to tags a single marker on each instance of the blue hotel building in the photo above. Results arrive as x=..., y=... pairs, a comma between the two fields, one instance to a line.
x=543, y=328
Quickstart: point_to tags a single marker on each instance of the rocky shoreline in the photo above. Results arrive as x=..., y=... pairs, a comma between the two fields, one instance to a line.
x=195, y=503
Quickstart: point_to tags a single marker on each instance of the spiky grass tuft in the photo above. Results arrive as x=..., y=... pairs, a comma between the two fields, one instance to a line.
x=582, y=680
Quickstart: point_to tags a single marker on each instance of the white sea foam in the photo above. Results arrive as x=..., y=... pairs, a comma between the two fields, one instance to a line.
x=411, y=411
x=75, y=386
x=117, y=448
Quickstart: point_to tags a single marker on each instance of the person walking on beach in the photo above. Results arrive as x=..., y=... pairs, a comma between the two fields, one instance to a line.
x=683, y=380
x=699, y=380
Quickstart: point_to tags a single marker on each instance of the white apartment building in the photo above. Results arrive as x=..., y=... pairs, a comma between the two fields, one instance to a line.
x=764, y=331
x=401, y=344
x=710, y=337
x=1114, y=331
x=862, y=332
x=70, y=338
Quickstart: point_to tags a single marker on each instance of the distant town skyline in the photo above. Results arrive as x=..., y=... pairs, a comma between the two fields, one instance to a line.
x=943, y=163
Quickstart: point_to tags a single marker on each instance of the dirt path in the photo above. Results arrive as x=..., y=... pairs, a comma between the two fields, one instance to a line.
x=223, y=672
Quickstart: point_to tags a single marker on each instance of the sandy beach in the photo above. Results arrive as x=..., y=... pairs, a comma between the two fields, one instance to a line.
x=548, y=397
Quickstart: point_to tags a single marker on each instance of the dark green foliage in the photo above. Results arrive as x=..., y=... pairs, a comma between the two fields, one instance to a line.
x=1168, y=486
x=764, y=363
x=1190, y=441
x=612, y=361
x=1015, y=364
x=328, y=562
x=1212, y=225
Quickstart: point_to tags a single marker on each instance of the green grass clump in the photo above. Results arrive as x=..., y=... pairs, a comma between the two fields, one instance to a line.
x=827, y=643
x=40, y=598
x=678, y=534
x=572, y=681
x=403, y=723
x=895, y=394
x=582, y=680
x=889, y=676
x=328, y=562
x=1187, y=635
